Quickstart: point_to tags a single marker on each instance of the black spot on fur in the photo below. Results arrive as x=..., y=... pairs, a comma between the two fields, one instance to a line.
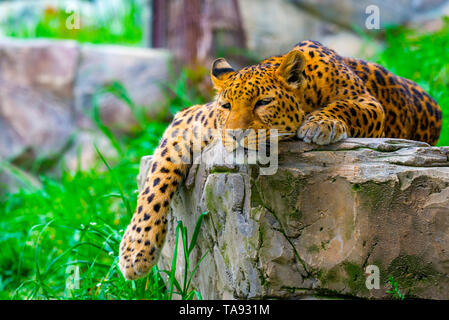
x=164, y=188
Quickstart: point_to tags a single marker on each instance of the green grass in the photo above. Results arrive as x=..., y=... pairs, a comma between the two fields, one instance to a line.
x=73, y=224
x=75, y=220
x=122, y=26
x=423, y=58
x=184, y=289
x=395, y=291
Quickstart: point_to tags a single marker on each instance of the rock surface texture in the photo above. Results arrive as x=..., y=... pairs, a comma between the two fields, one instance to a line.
x=311, y=229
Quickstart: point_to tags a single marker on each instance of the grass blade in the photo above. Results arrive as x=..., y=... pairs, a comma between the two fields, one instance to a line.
x=196, y=231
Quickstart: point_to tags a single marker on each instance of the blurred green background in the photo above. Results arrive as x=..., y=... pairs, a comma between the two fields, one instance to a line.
x=54, y=216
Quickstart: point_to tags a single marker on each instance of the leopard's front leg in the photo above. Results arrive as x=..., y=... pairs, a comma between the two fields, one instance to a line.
x=143, y=239
x=359, y=117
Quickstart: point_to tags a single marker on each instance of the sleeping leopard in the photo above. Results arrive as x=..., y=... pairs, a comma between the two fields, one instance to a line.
x=311, y=93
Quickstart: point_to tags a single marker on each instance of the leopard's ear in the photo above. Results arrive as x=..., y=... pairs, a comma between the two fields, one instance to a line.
x=220, y=72
x=291, y=69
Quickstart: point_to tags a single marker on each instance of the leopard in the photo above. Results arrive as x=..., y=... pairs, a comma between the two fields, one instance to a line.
x=310, y=93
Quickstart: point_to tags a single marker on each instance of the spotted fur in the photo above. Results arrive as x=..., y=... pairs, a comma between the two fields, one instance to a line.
x=310, y=92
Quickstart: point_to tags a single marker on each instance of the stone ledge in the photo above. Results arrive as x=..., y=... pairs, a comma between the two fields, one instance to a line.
x=313, y=227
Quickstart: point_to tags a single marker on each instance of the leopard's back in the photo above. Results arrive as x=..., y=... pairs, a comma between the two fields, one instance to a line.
x=410, y=112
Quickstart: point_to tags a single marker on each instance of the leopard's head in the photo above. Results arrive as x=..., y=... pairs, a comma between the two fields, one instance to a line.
x=260, y=97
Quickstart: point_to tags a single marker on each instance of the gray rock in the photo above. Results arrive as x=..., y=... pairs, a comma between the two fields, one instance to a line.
x=10, y=142
x=13, y=179
x=266, y=22
x=331, y=22
x=36, y=85
x=48, y=66
x=143, y=72
x=349, y=12
x=267, y=39
x=82, y=153
x=311, y=229
x=46, y=88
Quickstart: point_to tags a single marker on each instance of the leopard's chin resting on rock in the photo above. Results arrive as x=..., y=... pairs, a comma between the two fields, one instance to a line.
x=311, y=92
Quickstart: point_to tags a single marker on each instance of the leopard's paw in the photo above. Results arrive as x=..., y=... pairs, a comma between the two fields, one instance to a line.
x=322, y=131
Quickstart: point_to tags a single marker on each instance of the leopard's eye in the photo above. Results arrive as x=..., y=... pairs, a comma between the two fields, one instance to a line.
x=226, y=106
x=263, y=102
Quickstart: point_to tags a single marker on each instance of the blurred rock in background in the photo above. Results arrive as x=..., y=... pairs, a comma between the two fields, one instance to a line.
x=274, y=26
x=350, y=13
x=46, y=91
x=36, y=98
x=142, y=71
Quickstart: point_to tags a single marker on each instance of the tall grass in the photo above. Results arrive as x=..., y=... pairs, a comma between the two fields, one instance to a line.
x=184, y=289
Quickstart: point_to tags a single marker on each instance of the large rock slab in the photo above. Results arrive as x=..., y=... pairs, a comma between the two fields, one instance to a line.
x=312, y=228
x=36, y=96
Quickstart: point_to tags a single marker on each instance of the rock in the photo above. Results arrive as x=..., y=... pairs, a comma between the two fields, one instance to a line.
x=311, y=229
x=13, y=179
x=48, y=66
x=10, y=142
x=272, y=39
x=431, y=20
x=141, y=71
x=46, y=88
x=83, y=155
x=353, y=12
x=348, y=44
x=331, y=22
x=36, y=84
x=268, y=39
x=43, y=125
